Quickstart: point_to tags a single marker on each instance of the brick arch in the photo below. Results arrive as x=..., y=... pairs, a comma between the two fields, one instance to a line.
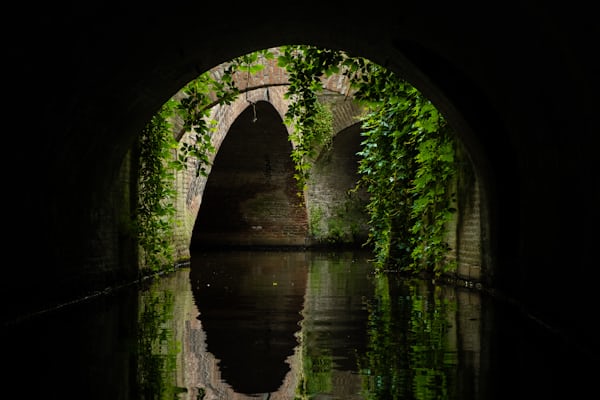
x=249, y=198
x=225, y=116
x=274, y=75
x=268, y=85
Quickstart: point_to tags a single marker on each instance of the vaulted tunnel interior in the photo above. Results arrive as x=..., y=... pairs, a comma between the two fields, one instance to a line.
x=106, y=82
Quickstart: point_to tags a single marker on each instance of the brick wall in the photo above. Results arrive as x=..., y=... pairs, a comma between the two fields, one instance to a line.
x=465, y=228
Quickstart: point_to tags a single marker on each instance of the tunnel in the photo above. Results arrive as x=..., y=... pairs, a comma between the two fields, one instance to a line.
x=519, y=85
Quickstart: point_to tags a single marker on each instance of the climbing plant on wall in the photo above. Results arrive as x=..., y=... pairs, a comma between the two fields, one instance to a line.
x=201, y=95
x=306, y=115
x=155, y=211
x=154, y=214
x=407, y=156
x=407, y=164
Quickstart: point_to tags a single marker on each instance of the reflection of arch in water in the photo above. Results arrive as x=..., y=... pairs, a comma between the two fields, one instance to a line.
x=250, y=308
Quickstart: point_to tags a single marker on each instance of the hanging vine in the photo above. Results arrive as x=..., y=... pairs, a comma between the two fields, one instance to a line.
x=155, y=212
x=305, y=66
x=407, y=156
x=154, y=215
x=200, y=96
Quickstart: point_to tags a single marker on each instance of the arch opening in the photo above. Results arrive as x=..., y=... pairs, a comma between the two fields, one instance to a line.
x=250, y=197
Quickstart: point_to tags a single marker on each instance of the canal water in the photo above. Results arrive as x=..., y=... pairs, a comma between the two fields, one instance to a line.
x=289, y=325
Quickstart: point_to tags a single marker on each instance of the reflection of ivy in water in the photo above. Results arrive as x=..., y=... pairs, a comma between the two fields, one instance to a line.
x=327, y=277
x=316, y=375
x=429, y=347
x=157, y=348
x=384, y=366
x=317, y=363
x=409, y=358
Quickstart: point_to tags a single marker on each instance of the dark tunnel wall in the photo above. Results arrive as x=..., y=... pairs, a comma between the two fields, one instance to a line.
x=519, y=84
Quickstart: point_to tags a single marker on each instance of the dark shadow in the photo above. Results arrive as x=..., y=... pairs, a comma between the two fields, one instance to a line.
x=250, y=305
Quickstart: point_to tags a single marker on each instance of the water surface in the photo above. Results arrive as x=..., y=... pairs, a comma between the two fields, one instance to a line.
x=290, y=325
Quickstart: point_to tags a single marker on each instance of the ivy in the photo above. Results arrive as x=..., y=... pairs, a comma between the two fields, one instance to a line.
x=310, y=125
x=200, y=96
x=407, y=165
x=407, y=156
x=154, y=216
